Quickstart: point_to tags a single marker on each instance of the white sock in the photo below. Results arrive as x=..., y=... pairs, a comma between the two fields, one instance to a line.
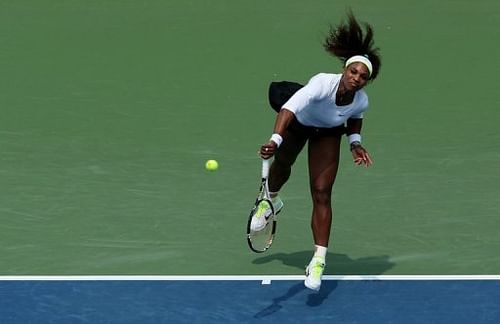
x=273, y=194
x=320, y=251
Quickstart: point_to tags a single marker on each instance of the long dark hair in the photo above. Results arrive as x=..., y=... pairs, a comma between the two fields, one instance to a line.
x=348, y=39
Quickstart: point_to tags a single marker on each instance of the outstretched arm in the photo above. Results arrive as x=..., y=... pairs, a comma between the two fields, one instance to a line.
x=283, y=119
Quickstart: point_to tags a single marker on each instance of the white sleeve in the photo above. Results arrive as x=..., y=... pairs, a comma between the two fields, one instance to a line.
x=312, y=91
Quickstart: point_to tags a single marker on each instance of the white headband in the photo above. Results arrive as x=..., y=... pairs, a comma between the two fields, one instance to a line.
x=361, y=59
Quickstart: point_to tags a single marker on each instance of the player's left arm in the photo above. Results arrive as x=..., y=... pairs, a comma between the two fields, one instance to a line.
x=359, y=153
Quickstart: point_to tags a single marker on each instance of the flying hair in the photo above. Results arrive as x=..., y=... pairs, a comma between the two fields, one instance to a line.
x=348, y=39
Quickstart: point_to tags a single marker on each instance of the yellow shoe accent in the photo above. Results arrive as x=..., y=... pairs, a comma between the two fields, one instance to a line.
x=314, y=273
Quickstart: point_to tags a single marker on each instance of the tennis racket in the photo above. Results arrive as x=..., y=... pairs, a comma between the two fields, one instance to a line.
x=260, y=241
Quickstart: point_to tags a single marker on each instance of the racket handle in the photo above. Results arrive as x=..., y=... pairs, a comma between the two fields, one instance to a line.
x=266, y=164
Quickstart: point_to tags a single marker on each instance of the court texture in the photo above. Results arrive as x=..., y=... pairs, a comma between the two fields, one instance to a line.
x=109, y=110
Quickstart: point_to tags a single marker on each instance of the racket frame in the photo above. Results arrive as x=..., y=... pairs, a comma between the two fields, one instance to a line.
x=263, y=196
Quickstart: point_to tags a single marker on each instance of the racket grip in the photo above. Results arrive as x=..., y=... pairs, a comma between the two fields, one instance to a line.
x=266, y=164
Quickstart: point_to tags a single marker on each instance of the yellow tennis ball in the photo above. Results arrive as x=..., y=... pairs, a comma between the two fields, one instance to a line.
x=211, y=165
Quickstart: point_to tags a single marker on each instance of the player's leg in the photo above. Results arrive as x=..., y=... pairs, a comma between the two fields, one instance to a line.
x=279, y=173
x=281, y=168
x=324, y=153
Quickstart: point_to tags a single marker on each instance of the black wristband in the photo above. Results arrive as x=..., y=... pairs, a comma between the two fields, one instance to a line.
x=355, y=144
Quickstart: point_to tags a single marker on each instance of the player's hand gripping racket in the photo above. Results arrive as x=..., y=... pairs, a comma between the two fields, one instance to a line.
x=261, y=240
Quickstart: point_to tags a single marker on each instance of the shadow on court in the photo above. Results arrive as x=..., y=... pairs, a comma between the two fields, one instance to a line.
x=313, y=299
x=337, y=264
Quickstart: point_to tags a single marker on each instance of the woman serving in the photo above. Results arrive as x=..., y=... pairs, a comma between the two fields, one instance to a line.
x=319, y=114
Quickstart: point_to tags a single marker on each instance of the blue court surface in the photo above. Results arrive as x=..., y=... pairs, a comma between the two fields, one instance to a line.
x=249, y=299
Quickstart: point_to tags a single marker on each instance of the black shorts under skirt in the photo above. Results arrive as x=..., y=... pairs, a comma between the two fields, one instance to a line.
x=309, y=131
x=280, y=92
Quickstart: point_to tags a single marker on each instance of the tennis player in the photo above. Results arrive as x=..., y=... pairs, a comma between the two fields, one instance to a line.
x=319, y=114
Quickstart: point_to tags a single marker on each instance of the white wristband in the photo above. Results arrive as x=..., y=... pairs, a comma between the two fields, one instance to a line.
x=276, y=138
x=354, y=138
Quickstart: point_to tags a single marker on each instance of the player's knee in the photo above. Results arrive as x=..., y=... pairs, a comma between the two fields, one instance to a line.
x=321, y=195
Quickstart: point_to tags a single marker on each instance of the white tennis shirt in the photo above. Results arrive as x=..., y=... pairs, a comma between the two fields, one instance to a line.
x=314, y=104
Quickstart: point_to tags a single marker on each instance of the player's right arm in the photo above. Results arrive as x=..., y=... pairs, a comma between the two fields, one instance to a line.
x=315, y=89
x=283, y=119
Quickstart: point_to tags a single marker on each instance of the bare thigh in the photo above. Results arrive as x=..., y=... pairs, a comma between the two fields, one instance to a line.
x=284, y=159
x=323, y=155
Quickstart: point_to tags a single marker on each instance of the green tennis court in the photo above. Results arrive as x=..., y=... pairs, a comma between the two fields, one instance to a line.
x=109, y=110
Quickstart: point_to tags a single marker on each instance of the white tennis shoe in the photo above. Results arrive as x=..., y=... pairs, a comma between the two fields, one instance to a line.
x=314, y=273
x=263, y=214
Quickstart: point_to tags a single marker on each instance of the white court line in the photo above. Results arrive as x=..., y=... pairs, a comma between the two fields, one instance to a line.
x=263, y=278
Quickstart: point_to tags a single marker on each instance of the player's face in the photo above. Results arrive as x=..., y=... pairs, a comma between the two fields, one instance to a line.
x=355, y=76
